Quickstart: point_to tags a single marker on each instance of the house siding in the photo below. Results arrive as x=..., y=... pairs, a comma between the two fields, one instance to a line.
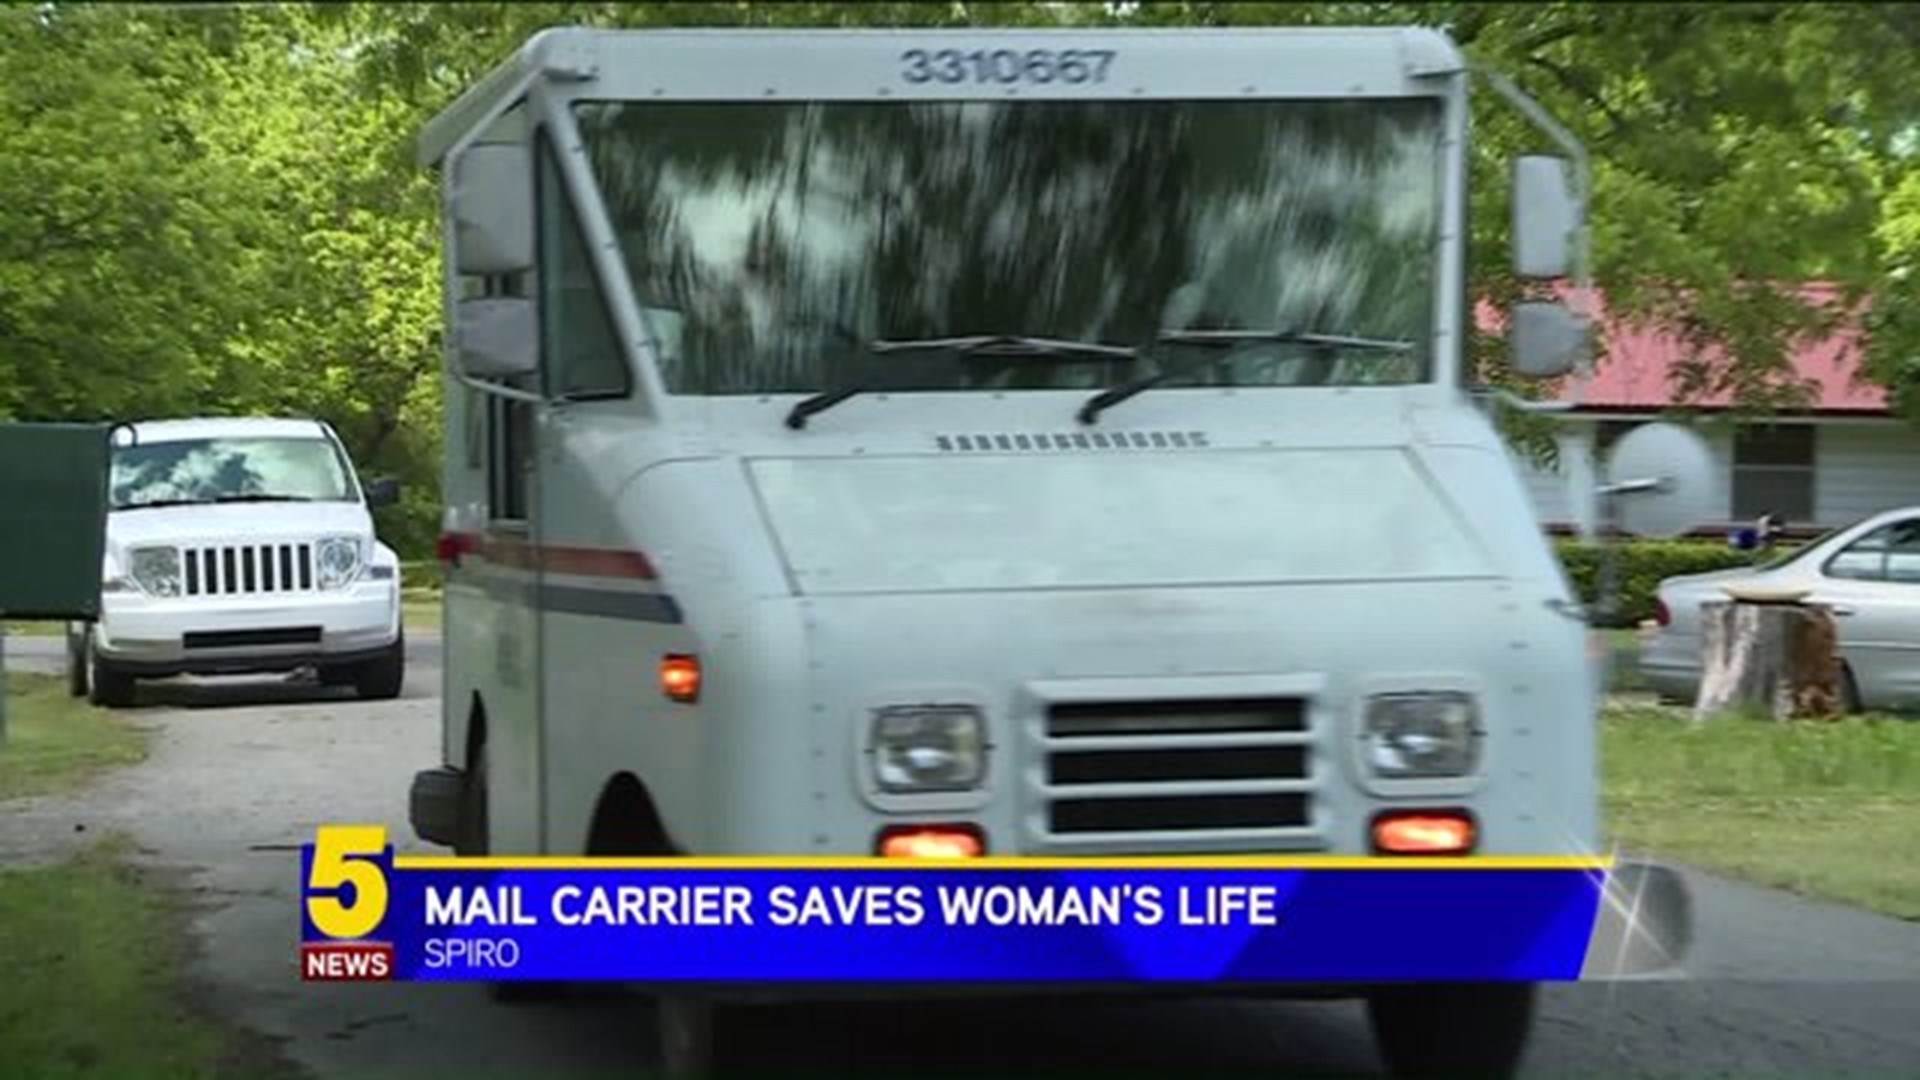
x=1864, y=468
x=1860, y=468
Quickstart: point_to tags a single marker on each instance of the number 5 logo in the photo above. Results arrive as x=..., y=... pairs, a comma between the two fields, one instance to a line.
x=342, y=856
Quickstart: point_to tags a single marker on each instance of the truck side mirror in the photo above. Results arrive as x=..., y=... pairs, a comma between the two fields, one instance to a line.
x=497, y=337
x=491, y=203
x=1545, y=216
x=1546, y=339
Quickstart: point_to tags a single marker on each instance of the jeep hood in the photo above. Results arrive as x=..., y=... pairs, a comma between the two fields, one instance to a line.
x=232, y=522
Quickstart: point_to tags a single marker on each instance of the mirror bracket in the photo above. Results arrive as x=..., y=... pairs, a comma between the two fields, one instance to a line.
x=493, y=389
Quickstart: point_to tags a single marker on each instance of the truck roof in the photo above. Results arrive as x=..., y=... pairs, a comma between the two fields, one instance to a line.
x=1361, y=61
x=225, y=427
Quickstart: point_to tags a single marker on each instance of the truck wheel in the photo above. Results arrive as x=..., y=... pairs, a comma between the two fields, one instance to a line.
x=473, y=839
x=109, y=687
x=1478, y=1031
x=77, y=682
x=381, y=679
x=686, y=1037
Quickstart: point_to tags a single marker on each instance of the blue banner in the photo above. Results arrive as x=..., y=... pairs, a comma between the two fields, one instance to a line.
x=369, y=915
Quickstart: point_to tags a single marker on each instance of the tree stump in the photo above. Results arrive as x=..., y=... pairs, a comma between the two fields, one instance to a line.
x=1776, y=658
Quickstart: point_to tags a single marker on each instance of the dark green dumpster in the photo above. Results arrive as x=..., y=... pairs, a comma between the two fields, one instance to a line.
x=53, y=524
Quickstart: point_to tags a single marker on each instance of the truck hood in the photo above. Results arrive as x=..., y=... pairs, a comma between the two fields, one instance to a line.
x=989, y=522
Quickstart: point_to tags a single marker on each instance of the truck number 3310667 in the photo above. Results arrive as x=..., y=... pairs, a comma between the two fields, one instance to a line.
x=1006, y=65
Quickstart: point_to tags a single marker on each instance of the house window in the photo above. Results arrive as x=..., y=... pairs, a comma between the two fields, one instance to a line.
x=1773, y=472
x=1608, y=432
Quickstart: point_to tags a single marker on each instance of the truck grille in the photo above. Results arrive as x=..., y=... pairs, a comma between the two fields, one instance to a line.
x=1145, y=775
x=246, y=569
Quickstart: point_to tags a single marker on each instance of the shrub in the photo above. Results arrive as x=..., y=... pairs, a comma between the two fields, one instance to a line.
x=1643, y=564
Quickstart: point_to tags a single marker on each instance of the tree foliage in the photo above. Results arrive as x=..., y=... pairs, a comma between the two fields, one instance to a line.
x=212, y=208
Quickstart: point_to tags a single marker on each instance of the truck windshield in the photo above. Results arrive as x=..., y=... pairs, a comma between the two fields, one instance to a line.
x=192, y=471
x=770, y=243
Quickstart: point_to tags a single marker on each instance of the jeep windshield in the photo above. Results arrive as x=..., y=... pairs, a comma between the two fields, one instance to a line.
x=769, y=242
x=200, y=471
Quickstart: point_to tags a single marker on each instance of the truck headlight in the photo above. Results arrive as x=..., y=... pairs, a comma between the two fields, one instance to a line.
x=927, y=748
x=1417, y=735
x=156, y=570
x=338, y=560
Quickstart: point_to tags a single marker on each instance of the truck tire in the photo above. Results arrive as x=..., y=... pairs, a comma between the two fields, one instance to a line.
x=1476, y=1031
x=685, y=1024
x=108, y=686
x=380, y=679
x=473, y=839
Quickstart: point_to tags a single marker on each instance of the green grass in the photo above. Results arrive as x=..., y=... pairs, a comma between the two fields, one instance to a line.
x=56, y=741
x=92, y=989
x=1824, y=809
x=420, y=609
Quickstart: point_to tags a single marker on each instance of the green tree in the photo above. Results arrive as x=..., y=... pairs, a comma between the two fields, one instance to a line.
x=1740, y=151
x=119, y=227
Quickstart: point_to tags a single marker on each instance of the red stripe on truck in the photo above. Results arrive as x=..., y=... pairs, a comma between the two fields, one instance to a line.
x=508, y=550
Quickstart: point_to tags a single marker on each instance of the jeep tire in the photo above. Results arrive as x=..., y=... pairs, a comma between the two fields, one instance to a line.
x=381, y=678
x=108, y=686
x=78, y=635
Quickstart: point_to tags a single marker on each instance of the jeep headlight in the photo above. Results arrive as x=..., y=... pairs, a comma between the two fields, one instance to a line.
x=927, y=748
x=338, y=561
x=156, y=570
x=1419, y=735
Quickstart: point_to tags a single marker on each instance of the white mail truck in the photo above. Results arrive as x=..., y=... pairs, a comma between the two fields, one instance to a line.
x=1016, y=442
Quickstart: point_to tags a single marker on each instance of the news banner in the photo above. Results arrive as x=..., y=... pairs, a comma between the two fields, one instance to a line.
x=369, y=914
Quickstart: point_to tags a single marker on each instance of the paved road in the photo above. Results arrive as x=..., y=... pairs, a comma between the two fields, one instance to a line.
x=242, y=772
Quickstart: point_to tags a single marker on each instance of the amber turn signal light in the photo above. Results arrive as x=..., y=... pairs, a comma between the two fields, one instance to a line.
x=680, y=677
x=1424, y=832
x=931, y=842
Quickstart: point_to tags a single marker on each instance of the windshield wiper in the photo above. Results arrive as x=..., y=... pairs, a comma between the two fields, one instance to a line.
x=1283, y=337
x=1114, y=395
x=157, y=504
x=975, y=346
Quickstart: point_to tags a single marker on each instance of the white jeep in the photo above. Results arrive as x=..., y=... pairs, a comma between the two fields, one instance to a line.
x=240, y=546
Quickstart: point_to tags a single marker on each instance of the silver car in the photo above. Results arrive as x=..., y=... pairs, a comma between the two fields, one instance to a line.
x=1868, y=571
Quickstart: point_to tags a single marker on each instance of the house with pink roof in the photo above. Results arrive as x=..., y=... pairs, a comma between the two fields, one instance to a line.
x=1837, y=456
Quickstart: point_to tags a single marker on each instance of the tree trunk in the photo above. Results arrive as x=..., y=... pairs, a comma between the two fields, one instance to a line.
x=1775, y=659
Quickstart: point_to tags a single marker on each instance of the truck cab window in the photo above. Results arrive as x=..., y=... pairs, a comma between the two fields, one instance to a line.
x=579, y=347
x=509, y=458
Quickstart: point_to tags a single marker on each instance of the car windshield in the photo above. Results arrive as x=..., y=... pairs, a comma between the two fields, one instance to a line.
x=228, y=470
x=1800, y=551
x=771, y=244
